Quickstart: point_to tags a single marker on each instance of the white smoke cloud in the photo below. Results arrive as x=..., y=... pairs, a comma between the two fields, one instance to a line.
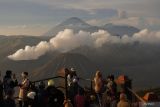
x=146, y=36
x=31, y=52
x=67, y=40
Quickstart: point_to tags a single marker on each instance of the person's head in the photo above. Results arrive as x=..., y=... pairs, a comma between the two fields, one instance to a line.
x=24, y=74
x=73, y=72
x=8, y=73
x=98, y=74
x=41, y=85
x=123, y=97
x=51, y=83
x=112, y=77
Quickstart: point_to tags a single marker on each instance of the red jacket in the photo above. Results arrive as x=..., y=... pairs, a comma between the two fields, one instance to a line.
x=79, y=101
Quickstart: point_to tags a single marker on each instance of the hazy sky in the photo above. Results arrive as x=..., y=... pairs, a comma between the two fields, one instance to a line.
x=34, y=17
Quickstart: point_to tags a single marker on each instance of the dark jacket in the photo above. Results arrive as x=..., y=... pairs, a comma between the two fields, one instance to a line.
x=74, y=89
x=9, y=83
x=1, y=91
x=55, y=97
x=8, y=102
x=41, y=98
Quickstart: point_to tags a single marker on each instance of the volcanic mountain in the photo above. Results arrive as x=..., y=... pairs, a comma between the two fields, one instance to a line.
x=84, y=67
x=134, y=59
x=77, y=24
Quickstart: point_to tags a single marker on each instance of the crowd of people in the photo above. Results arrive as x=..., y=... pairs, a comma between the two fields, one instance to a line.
x=29, y=94
x=104, y=94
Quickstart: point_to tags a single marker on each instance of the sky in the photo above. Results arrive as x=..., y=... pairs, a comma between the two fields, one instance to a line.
x=35, y=17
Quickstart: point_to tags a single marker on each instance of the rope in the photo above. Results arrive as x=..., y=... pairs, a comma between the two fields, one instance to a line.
x=48, y=79
x=85, y=79
x=137, y=95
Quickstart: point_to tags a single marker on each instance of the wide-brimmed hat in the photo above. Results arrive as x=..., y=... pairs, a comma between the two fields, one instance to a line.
x=31, y=95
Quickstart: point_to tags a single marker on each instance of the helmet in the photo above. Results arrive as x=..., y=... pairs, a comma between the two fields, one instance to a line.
x=50, y=83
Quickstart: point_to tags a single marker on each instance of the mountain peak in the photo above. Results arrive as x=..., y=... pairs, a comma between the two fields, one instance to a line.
x=74, y=21
x=74, y=18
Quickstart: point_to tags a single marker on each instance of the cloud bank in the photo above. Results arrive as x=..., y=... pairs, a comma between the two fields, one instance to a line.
x=67, y=40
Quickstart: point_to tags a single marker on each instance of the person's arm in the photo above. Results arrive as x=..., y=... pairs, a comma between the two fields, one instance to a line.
x=25, y=84
x=118, y=105
x=15, y=83
x=15, y=80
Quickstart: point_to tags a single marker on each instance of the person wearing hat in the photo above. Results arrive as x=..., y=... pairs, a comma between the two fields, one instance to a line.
x=73, y=90
x=31, y=99
x=24, y=86
x=55, y=96
x=123, y=101
x=73, y=73
x=71, y=76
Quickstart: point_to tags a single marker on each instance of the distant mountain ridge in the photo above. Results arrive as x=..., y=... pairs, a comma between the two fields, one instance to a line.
x=77, y=24
x=120, y=29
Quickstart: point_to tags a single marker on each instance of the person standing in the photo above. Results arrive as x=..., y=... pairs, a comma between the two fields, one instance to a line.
x=98, y=81
x=73, y=90
x=112, y=88
x=9, y=81
x=55, y=96
x=41, y=95
x=1, y=89
x=71, y=76
x=24, y=86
